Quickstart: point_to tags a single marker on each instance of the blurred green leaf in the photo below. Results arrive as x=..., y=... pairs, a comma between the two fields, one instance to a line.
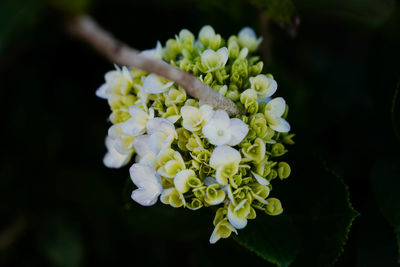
x=385, y=180
x=272, y=238
x=316, y=221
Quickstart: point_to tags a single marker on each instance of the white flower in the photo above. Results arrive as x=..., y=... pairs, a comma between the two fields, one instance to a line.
x=136, y=125
x=161, y=134
x=114, y=159
x=221, y=130
x=155, y=84
x=181, y=180
x=155, y=53
x=247, y=38
x=206, y=34
x=214, y=60
x=118, y=82
x=194, y=118
x=237, y=214
x=264, y=85
x=222, y=230
x=148, y=183
x=142, y=149
x=225, y=160
x=273, y=114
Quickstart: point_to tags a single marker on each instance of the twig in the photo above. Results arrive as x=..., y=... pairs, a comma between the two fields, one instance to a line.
x=88, y=30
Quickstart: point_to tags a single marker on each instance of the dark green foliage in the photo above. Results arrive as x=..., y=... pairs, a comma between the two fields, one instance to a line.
x=60, y=206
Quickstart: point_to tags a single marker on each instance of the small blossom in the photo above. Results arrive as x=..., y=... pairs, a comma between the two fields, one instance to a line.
x=247, y=38
x=161, y=134
x=273, y=113
x=214, y=60
x=155, y=84
x=221, y=130
x=226, y=161
x=194, y=118
x=155, y=53
x=148, y=183
x=264, y=85
x=222, y=230
x=206, y=34
x=136, y=125
x=114, y=159
x=237, y=214
x=118, y=82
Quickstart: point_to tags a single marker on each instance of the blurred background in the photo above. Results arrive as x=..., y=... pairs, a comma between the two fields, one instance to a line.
x=337, y=64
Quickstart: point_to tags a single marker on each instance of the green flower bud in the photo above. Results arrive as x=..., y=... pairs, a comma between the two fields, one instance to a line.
x=233, y=95
x=121, y=102
x=206, y=34
x=256, y=151
x=214, y=196
x=208, y=79
x=278, y=150
x=215, y=42
x=235, y=181
x=200, y=192
x=172, y=197
x=256, y=69
x=219, y=215
x=193, y=142
x=192, y=102
x=183, y=136
x=272, y=175
x=195, y=204
x=274, y=207
x=175, y=96
x=233, y=48
x=283, y=170
x=287, y=138
x=171, y=50
x=240, y=67
x=119, y=116
x=185, y=40
x=252, y=215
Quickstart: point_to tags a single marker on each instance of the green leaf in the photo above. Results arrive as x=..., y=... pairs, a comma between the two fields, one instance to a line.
x=317, y=218
x=385, y=181
x=274, y=239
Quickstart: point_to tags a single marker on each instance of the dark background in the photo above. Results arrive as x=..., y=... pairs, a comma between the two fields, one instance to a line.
x=59, y=206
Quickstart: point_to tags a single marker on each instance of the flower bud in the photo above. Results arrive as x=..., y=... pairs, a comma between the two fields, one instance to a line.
x=283, y=170
x=274, y=206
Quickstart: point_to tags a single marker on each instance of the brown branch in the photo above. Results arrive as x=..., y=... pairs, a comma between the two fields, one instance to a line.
x=117, y=52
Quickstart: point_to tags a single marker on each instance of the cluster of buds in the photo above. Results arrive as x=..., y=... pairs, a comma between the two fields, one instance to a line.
x=188, y=154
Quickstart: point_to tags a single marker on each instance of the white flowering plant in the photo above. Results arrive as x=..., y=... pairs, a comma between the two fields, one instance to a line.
x=189, y=154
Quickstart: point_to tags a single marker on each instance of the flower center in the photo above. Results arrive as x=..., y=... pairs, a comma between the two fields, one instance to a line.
x=220, y=132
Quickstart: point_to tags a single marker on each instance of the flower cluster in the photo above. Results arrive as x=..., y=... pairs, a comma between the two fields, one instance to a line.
x=189, y=154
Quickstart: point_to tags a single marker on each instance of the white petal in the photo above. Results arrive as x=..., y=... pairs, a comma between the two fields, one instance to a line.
x=216, y=130
x=148, y=183
x=158, y=140
x=174, y=118
x=277, y=106
x=134, y=126
x=160, y=125
x=223, y=54
x=261, y=180
x=206, y=112
x=154, y=84
x=155, y=53
x=142, y=149
x=115, y=131
x=114, y=159
x=102, y=91
x=181, y=179
x=283, y=126
x=144, y=197
x=273, y=86
x=238, y=223
x=238, y=130
x=223, y=155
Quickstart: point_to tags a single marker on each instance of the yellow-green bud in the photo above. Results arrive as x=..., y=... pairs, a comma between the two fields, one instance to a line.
x=283, y=170
x=274, y=206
